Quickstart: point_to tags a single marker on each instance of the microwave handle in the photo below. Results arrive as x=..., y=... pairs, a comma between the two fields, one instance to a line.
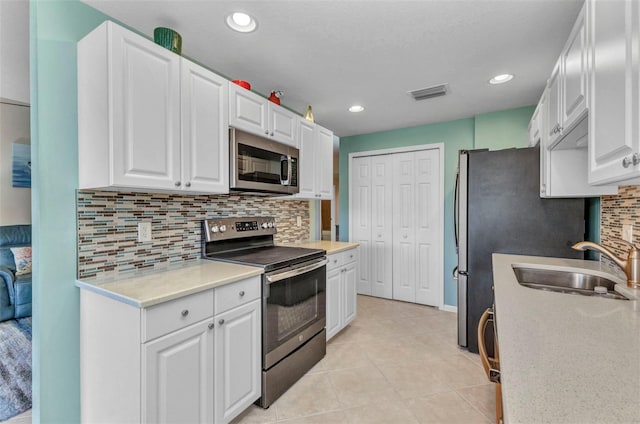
x=287, y=160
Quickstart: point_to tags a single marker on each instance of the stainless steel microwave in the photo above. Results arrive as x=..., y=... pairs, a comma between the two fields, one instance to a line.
x=259, y=165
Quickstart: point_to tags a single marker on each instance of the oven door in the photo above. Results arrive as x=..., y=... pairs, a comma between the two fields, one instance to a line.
x=293, y=308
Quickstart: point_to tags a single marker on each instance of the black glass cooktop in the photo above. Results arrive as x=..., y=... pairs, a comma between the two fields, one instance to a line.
x=269, y=257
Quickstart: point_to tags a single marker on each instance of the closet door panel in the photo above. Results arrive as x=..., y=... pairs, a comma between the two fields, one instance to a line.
x=382, y=218
x=427, y=227
x=361, y=223
x=404, y=271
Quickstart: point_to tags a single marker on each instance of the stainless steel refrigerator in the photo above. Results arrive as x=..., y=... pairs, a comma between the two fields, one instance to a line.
x=499, y=210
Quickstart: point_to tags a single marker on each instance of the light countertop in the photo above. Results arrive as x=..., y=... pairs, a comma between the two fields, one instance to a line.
x=566, y=358
x=330, y=246
x=146, y=288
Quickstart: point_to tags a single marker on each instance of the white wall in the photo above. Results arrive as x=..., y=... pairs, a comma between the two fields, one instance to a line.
x=15, y=203
x=14, y=51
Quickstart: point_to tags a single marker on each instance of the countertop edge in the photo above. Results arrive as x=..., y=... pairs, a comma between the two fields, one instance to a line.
x=170, y=295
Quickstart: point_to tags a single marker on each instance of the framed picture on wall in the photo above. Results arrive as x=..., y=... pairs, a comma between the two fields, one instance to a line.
x=21, y=165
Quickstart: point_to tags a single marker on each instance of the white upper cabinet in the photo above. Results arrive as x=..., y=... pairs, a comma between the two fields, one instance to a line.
x=131, y=133
x=562, y=123
x=554, y=94
x=567, y=87
x=255, y=114
x=614, y=142
x=315, y=179
x=536, y=124
x=205, y=132
x=128, y=111
x=574, y=73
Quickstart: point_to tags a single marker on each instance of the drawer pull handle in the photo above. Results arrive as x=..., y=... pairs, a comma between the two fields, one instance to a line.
x=185, y=313
x=221, y=322
x=211, y=325
x=242, y=293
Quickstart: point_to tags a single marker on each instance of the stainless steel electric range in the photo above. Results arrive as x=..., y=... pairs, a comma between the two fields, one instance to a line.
x=293, y=296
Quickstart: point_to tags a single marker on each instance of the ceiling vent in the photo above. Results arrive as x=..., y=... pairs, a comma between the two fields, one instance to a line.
x=429, y=92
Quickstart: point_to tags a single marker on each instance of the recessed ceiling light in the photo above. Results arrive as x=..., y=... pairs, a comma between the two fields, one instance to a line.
x=356, y=108
x=501, y=79
x=241, y=22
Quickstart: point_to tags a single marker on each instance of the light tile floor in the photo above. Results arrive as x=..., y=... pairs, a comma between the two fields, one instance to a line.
x=396, y=363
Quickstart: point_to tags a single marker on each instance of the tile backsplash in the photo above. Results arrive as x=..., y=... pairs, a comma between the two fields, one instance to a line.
x=616, y=210
x=108, y=226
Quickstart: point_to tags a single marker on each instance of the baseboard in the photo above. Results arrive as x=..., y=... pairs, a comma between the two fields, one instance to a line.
x=450, y=308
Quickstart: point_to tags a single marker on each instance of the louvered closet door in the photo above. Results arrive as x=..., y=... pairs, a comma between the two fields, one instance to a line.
x=361, y=219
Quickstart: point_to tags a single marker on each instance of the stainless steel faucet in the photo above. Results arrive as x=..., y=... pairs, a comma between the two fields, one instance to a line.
x=630, y=266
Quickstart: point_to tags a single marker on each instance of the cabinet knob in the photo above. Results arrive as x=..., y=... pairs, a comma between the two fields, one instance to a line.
x=184, y=313
x=626, y=162
x=271, y=134
x=188, y=184
x=178, y=184
x=635, y=159
x=211, y=325
x=221, y=322
x=266, y=132
x=242, y=293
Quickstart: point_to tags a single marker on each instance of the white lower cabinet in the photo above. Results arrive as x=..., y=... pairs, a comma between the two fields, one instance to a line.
x=178, y=376
x=237, y=360
x=194, y=359
x=341, y=291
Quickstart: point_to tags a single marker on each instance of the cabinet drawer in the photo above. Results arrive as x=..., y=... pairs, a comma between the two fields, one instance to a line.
x=335, y=261
x=166, y=317
x=349, y=256
x=236, y=294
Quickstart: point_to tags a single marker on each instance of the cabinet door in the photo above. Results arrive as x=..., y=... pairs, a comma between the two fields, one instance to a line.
x=534, y=126
x=554, y=93
x=349, y=281
x=334, y=302
x=247, y=111
x=574, y=70
x=145, y=83
x=283, y=125
x=205, y=135
x=306, y=177
x=613, y=129
x=178, y=376
x=237, y=360
x=324, y=160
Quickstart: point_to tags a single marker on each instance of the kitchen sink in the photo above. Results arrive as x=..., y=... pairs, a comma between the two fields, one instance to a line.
x=567, y=282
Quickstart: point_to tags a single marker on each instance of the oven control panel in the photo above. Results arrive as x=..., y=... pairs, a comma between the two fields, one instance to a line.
x=229, y=228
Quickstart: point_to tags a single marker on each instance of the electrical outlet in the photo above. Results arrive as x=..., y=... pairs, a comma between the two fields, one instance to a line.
x=144, y=231
x=299, y=221
x=627, y=232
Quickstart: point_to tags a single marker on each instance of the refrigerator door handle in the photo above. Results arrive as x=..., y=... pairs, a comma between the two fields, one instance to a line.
x=456, y=213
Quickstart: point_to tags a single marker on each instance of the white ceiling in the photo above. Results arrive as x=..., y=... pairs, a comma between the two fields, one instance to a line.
x=332, y=54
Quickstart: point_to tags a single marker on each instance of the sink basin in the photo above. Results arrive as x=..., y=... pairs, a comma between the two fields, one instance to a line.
x=567, y=282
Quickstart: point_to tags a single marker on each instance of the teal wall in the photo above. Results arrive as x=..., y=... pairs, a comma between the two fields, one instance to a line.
x=501, y=130
x=491, y=130
x=56, y=26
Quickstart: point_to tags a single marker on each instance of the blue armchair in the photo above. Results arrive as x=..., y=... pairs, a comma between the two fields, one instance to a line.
x=15, y=291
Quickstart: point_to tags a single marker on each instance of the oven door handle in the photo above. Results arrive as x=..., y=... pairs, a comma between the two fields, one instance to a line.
x=272, y=278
